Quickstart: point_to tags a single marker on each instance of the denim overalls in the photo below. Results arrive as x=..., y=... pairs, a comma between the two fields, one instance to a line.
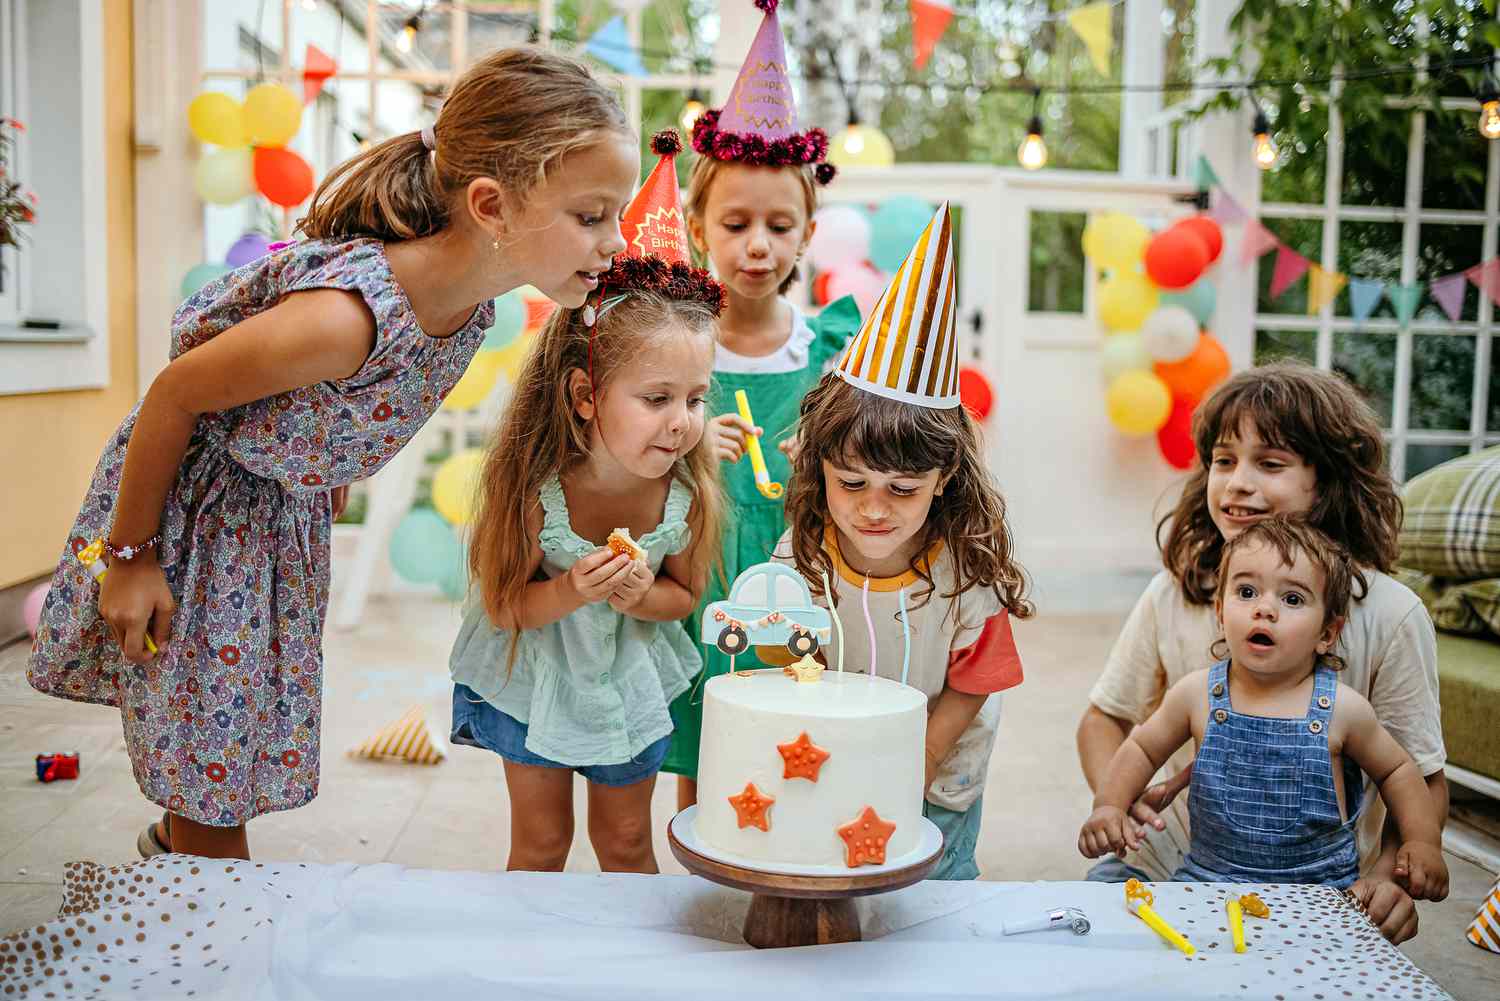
x=1262, y=806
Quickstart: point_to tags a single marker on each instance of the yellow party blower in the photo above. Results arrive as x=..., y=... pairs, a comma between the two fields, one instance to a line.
x=91, y=558
x=1138, y=901
x=763, y=483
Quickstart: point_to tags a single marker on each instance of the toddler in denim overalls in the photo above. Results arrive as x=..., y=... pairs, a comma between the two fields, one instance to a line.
x=1276, y=783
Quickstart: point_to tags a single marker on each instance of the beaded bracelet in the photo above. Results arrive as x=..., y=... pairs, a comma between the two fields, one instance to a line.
x=128, y=553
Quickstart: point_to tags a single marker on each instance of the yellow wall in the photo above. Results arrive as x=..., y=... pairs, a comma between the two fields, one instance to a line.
x=50, y=442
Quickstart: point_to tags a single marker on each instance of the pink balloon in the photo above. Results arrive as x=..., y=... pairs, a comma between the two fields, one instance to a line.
x=861, y=281
x=31, y=608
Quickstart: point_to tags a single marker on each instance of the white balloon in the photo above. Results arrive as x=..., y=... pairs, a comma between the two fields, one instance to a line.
x=1122, y=353
x=842, y=239
x=1170, y=333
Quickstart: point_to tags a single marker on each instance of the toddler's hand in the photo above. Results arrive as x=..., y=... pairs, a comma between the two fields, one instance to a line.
x=598, y=575
x=1421, y=871
x=1108, y=829
x=1147, y=810
x=636, y=582
x=727, y=433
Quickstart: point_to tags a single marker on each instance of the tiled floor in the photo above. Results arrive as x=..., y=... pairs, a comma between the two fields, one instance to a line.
x=456, y=815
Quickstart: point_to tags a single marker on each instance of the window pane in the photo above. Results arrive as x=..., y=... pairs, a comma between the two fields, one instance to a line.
x=1057, y=269
x=423, y=34
x=1454, y=162
x=1494, y=397
x=1442, y=251
x=1303, y=236
x=1285, y=345
x=1368, y=361
x=1299, y=175
x=1375, y=158
x=1420, y=458
x=1442, y=382
x=1369, y=250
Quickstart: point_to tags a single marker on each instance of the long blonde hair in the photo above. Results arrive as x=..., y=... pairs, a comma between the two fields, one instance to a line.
x=512, y=116
x=542, y=435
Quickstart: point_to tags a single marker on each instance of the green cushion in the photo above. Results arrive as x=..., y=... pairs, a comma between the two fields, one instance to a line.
x=1471, y=607
x=1469, y=676
x=1452, y=522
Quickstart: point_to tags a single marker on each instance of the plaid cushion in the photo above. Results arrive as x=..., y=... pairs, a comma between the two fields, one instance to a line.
x=1452, y=524
x=1471, y=606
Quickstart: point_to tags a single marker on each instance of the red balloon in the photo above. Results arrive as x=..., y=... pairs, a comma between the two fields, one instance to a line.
x=282, y=176
x=1199, y=372
x=975, y=392
x=1208, y=231
x=1176, y=436
x=1175, y=258
x=820, y=289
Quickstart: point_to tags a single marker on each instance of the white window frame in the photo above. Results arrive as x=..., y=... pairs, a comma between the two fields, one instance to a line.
x=13, y=104
x=75, y=355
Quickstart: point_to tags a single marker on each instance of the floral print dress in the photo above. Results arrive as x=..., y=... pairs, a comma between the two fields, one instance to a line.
x=224, y=724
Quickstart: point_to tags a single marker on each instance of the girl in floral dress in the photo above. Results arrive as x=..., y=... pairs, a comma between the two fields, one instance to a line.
x=291, y=378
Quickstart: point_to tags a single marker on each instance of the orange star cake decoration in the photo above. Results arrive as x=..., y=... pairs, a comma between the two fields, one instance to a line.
x=752, y=806
x=865, y=838
x=803, y=758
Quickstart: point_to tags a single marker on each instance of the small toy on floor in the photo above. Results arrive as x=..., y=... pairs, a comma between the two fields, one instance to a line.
x=51, y=767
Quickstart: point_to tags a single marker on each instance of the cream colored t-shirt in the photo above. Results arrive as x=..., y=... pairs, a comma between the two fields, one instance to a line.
x=964, y=642
x=1390, y=655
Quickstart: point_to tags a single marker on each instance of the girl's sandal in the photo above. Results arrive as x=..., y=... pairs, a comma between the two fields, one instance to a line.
x=148, y=843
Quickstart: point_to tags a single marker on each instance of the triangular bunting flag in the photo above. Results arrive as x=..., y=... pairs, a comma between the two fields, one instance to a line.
x=1226, y=210
x=611, y=46
x=1486, y=275
x=411, y=738
x=317, y=67
x=929, y=19
x=1290, y=266
x=1258, y=240
x=1364, y=296
x=1092, y=25
x=1449, y=292
x=1203, y=174
x=1405, y=298
x=1323, y=287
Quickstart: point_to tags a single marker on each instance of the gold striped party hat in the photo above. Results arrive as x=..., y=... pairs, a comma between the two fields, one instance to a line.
x=1484, y=930
x=411, y=738
x=907, y=349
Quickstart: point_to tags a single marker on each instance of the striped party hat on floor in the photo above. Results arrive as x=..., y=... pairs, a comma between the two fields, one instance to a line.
x=411, y=738
x=907, y=349
x=1484, y=930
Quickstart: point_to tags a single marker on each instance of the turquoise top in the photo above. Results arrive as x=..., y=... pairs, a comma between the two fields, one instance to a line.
x=592, y=687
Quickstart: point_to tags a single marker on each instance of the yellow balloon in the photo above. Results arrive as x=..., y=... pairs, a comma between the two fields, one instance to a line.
x=1138, y=402
x=861, y=146
x=217, y=119
x=477, y=381
x=513, y=356
x=455, y=484
x=224, y=176
x=1115, y=240
x=272, y=115
x=1126, y=298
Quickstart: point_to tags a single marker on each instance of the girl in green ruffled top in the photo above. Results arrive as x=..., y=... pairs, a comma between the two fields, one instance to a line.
x=567, y=660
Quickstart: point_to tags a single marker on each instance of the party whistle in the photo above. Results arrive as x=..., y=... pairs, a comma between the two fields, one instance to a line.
x=1138, y=901
x=1236, y=923
x=763, y=482
x=91, y=558
x=1059, y=917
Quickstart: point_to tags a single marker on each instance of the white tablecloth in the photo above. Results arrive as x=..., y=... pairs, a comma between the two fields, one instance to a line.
x=170, y=925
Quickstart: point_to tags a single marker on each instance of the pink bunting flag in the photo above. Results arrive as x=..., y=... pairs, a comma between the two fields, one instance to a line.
x=1258, y=240
x=1486, y=275
x=1290, y=266
x=1226, y=210
x=1449, y=292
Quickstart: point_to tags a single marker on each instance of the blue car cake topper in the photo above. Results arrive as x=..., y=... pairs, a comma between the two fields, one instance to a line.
x=769, y=605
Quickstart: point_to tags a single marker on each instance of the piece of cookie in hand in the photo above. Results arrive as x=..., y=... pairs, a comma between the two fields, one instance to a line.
x=620, y=542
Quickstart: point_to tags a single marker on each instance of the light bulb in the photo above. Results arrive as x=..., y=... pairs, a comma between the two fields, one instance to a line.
x=690, y=112
x=861, y=146
x=1489, y=119
x=854, y=141
x=1033, y=151
x=408, y=33
x=1265, y=151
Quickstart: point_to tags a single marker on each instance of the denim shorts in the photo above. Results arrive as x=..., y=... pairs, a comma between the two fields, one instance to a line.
x=960, y=838
x=479, y=724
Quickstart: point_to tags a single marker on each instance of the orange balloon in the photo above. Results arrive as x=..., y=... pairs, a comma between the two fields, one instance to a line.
x=1199, y=372
x=282, y=176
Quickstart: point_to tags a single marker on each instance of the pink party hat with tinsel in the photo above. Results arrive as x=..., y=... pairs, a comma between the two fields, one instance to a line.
x=758, y=124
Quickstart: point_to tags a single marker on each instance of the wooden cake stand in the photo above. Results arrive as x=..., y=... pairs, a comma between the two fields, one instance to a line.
x=790, y=910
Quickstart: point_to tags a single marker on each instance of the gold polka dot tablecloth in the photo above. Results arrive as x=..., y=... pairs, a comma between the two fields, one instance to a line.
x=177, y=927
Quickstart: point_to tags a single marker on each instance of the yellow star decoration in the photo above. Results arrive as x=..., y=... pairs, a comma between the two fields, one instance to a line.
x=805, y=670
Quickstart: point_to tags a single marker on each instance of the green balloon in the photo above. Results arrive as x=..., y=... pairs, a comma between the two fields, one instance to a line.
x=199, y=277
x=455, y=580
x=510, y=320
x=1199, y=298
x=895, y=228
x=423, y=547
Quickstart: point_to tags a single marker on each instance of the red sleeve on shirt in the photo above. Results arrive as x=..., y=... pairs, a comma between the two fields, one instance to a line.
x=990, y=664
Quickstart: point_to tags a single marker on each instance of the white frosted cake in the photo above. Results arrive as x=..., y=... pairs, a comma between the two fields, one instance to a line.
x=811, y=772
